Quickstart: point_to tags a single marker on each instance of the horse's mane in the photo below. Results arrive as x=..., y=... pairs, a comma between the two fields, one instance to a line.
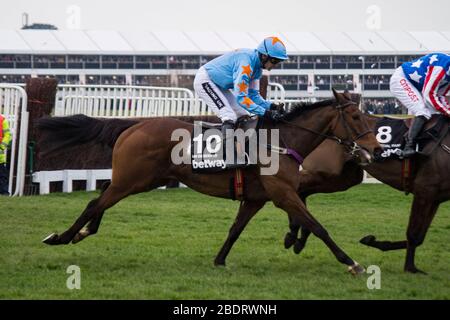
x=302, y=107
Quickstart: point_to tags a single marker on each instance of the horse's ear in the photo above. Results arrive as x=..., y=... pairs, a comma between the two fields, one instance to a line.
x=356, y=97
x=336, y=94
x=347, y=95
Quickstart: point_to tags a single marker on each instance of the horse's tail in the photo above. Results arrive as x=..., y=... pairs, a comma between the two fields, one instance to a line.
x=62, y=132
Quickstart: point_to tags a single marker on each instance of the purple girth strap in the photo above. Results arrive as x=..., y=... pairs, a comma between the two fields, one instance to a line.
x=295, y=155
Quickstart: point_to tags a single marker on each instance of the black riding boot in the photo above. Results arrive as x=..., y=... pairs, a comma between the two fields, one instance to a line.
x=227, y=138
x=225, y=126
x=416, y=128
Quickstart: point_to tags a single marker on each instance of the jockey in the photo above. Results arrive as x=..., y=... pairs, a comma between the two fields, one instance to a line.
x=229, y=84
x=421, y=86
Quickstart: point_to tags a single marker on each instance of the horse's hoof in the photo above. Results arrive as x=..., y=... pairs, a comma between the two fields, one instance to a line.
x=367, y=240
x=415, y=271
x=298, y=246
x=356, y=269
x=219, y=263
x=51, y=239
x=289, y=240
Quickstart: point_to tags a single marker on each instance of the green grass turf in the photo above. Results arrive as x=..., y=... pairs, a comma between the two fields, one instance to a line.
x=161, y=245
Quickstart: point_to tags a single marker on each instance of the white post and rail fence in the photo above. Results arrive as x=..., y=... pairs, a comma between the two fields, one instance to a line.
x=97, y=101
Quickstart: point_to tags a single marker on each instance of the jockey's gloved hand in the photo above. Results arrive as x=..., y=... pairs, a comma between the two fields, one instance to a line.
x=278, y=107
x=272, y=115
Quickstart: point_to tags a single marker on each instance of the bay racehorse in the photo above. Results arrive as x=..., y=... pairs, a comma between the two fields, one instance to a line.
x=142, y=162
x=334, y=167
x=429, y=183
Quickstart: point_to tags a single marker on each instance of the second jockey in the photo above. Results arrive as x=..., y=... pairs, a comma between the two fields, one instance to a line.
x=421, y=86
x=229, y=84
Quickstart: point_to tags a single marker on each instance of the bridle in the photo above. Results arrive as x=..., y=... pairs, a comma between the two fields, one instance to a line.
x=350, y=143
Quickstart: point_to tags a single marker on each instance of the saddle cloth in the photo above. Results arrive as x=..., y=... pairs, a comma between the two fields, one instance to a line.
x=391, y=132
x=209, y=150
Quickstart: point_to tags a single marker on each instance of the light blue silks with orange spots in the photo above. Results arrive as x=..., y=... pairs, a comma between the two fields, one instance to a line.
x=240, y=71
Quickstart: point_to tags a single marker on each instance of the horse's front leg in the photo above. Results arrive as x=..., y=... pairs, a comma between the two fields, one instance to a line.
x=301, y=242
x=285, y=197
x=315, y=182
x=247, y=210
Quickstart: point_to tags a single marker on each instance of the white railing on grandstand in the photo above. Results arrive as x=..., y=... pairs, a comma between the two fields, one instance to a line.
x=13, y=104
x=124, y=101
x=276, y=92
x=136, y=101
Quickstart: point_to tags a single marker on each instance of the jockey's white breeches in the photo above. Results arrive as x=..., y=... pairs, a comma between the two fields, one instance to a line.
x=222, y=102
x=409, y=96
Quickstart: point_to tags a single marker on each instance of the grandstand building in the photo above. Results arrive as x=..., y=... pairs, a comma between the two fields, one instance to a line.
x=358, y=61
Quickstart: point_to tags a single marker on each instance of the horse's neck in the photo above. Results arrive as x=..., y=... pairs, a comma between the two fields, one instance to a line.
x=302, y=140
x=371, y=120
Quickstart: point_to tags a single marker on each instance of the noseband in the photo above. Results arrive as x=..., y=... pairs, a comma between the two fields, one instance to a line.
x=350, y=130
x=349, y=143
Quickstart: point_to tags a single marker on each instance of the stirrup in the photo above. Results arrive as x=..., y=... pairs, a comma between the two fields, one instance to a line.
x=408, y=151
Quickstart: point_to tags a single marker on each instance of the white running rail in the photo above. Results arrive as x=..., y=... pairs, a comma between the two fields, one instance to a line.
x=123, y=101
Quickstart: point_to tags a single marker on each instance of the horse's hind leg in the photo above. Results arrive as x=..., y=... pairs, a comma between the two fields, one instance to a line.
x=291, y=237
x=96, y=207
x=422, y=214
x=247, y=210
x=90, y=229
x=93, y=225
x=371, y=241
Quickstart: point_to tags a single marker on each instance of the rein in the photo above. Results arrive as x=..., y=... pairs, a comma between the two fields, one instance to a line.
x=348, y=128
x=351, y=144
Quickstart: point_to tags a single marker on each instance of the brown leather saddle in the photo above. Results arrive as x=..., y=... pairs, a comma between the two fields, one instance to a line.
x=244, y=123
x=430, y=123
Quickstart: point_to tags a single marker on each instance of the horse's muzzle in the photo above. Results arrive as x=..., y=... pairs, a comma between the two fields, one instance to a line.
x=377, y=154
x=365, y=158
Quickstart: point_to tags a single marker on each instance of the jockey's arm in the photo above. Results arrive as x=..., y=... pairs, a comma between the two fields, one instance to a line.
x=253, y=93
x=431, y=93
x=246, y=96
